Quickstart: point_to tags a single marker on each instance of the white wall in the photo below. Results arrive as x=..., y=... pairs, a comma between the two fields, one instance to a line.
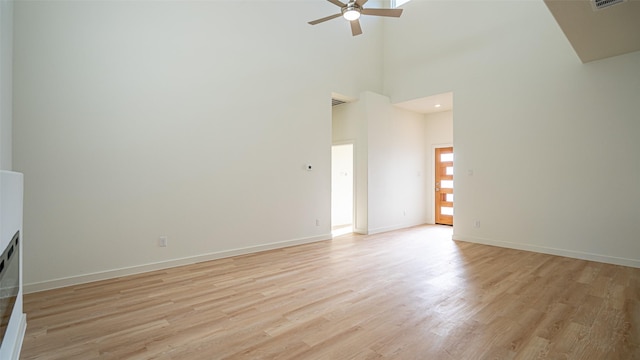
x=439, y=133
x=553, y=143
x=6, y=81
x=396, y=165
x=140, y=119
x=11, y=183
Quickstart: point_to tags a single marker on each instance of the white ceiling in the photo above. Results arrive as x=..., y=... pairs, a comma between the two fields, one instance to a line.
x=427, y=105
x=598, y=34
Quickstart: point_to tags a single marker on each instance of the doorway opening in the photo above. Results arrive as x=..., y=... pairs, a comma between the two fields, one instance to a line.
x=438, y=116
x=342, y=189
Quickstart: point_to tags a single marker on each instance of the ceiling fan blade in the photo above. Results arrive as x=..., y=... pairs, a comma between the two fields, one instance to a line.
x=355, y=27
x=314, y=22
x=337, y=3
x=361, y=2
x=383, y=12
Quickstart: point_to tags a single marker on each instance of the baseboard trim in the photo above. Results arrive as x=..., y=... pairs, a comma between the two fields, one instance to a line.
x=551, y=251
x=361, y=231
x=138, y=269
x=392, y=228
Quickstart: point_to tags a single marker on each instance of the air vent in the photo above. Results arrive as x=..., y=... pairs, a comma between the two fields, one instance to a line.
x=601, y=4
x=335, y=102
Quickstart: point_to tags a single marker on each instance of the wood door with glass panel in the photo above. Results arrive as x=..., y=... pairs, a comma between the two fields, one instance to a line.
x=444, y=186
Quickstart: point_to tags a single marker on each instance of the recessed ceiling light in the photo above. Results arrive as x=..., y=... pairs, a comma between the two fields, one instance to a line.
x=437, y=105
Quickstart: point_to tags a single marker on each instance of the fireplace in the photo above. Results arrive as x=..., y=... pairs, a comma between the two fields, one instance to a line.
x=13, y=321
x=9, y=282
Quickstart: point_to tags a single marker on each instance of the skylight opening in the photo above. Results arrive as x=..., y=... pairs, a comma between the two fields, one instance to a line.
x=398, y=3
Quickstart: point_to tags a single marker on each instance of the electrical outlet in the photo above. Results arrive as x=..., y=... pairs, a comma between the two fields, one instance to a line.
x=317, y=222
x=476, y=224
x=162, y=241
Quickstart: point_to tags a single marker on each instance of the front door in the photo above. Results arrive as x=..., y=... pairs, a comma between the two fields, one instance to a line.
x=444, y=186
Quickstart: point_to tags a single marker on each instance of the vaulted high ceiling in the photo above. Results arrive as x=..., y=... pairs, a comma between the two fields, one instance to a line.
x=599, y=33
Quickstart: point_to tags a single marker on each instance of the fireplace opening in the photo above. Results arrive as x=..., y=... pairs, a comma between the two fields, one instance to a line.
x=9, y=281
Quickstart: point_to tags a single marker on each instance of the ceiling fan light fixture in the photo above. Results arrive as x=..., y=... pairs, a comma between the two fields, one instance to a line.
x=351, y=13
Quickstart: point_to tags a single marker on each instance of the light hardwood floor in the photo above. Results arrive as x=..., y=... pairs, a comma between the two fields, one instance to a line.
x=408, y=294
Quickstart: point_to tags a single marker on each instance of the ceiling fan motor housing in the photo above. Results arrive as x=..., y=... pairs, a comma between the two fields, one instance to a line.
x=352, y=8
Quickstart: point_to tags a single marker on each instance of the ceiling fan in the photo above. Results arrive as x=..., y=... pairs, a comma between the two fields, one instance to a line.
x=352, y=10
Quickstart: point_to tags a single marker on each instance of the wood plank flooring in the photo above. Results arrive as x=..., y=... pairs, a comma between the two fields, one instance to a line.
x=408, y=294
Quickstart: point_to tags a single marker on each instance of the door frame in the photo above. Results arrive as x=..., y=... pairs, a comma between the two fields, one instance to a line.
x=432, y=179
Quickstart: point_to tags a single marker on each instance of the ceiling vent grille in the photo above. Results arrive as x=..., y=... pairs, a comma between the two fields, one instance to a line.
x=601, y=4
x=335, y=102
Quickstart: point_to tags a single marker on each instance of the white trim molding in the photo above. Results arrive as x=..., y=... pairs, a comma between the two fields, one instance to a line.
x=551, y=251
x=393, y=227
x=138, y=269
